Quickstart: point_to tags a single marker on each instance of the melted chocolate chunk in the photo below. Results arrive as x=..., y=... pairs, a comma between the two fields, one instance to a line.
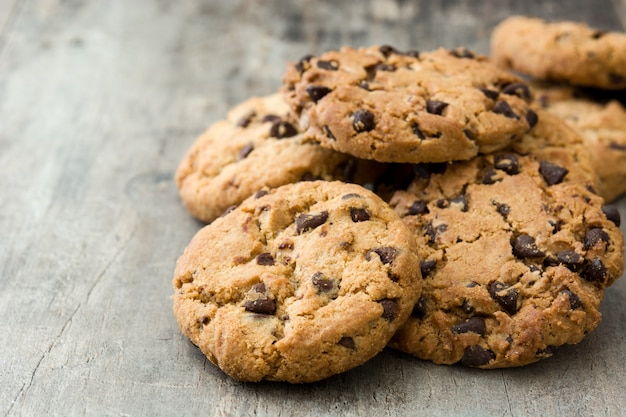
x=508, y=300
x=328, y=65
x=428, y=266
x=490, y=94
x=362, y=121
x=322, y=284
x=347, y=342
x=306, y=222
x=524, y=246
x=477, y=356
x=594, y=271
x=419, y=309
x=435, y=106
x=574, y=300
x=531, y=118
x=612, y=213
x=390, y=309
x=359, y=215
x=260, y=306
x=245, y=151
x=520, y=90
x=473, y=324
x=503, y=108
x=418, y=207
x=552, y=173
x=317, y=92
x=507, y=163
x=594, y=236
x=386, y=254
x=570, y=259
x=281, y=129
x=265, y=258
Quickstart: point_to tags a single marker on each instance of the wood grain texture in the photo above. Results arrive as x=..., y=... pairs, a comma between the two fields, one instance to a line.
x=98, y=103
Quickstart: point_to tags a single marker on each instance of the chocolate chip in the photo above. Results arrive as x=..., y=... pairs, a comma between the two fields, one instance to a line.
x=329, y=133
x=503, y=209
x=322, y=284
x=418, y=207
x=477, y=356
x=570, y=259
x=417, y=131
x=364, y=85
x=594, y=271
x=612, y=213
x=467, y=307
x=471, y=135
x=385, y=253
x=288, y=244
x=462, y=53
x=490, y=176
x=520, y=90
x=508, y=300
x=490, y=94
x=427, y=266
x=245, y=151
x=359, y=215
x=246, y=119
x=306, y=222
x=433, y=232
x=386, y=67
x=531, y=118
x=524, y=246
x=594, y=236
x=270, y=118
x=304, y=63
x=507, y=163
x=473, y=324
x=597, y=34
x=347, y=342
x=419, y=309
x=387, y=50
x=260, y=306
x=351, y=195
x=317, y=92
x=260, y=194
x=390, y=309
x=552, y=173
x=503, y=108
x=442, y=203
x=459, y=202
x=281, y=129
x=228, y=210
x=617, y=146
x=435, y=106
x=328, y=65
x=265, y=258
x=556, y=225
x=574, y=300
x=362, y=121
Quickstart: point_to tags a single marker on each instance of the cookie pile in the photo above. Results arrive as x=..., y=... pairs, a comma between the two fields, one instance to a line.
x=431, y=202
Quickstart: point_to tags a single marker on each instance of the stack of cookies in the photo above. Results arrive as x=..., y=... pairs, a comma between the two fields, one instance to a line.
x=431, y=202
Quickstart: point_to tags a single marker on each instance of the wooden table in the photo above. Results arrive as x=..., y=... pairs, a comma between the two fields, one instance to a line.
x=98, y=102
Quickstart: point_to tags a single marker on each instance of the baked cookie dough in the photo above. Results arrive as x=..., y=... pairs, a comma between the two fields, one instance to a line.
x=561, y=51
x=297, y=283
x=515, y=259
x=258, y=145
x=392, y=106
x=602, y=126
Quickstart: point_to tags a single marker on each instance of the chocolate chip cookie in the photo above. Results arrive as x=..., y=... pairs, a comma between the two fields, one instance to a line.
x=561, y=51
x=602, y=126
x=515, y=259
x=257, y=145
x=403, y=106
x=297, y=283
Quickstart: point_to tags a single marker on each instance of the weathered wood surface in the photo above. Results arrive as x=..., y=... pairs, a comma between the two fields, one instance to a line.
x=98, y=102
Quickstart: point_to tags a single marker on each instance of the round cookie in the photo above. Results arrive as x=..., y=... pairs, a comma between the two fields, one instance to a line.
x=515, y=258
x=561, y=51
x=602, y=127
x=391, y=106
x=256, y=146
x=297, y=283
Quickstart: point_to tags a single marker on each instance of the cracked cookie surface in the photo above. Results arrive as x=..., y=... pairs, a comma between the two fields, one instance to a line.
x=383, y=104
x=602, y=126
x=561, y=51
x=297, y=283
x=515, y=259
x=258, y=145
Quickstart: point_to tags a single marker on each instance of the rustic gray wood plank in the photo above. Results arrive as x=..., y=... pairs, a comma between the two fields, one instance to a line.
x=98, y=102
